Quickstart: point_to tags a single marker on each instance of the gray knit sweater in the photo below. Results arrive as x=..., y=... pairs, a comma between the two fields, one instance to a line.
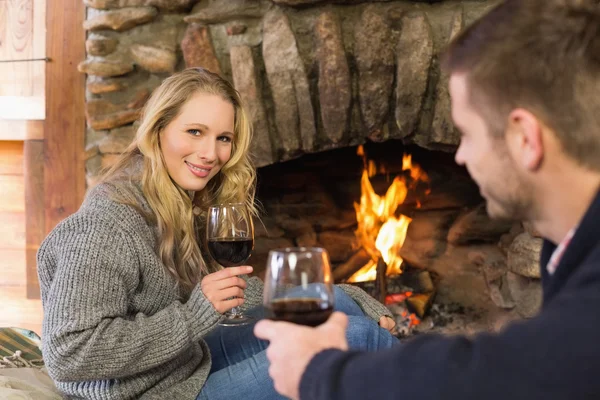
x=115, y=325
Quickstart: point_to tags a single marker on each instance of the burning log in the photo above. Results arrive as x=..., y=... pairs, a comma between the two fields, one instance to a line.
x=354, y=263
x=414, y=281
x=393, y=285
x=418, y=279
x=381, y=281
x=420, y=303
x=414, y=288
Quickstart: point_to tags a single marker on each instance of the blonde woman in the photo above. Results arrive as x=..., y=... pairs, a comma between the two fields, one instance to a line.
x=131, y=306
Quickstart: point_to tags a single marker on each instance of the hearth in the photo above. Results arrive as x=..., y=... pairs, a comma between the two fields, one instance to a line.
x=447, y=264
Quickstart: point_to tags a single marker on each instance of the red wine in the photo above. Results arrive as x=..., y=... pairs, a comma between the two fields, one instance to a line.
x=230, y=252
x=310, y=312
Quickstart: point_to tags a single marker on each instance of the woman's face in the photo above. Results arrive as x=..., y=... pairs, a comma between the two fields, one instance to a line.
x=198, y=142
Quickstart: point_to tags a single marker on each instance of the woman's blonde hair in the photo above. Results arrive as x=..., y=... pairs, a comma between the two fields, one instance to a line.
x=180, y=219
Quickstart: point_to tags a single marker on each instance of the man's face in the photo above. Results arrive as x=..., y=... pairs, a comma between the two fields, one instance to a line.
x=487, y=158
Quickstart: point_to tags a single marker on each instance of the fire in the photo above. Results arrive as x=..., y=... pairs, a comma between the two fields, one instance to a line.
x=380, y=231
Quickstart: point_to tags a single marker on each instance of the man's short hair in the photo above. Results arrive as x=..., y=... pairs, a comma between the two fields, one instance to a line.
x=541, y=55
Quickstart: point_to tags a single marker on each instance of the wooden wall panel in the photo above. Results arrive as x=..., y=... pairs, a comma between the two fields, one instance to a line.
x=12, y=214
x=19, y=130
x=16, y=43
x=34, y=207
x=13, y=193
x=11, y=158
x=23, y=42
x=12, y=230
x=64, y=179
x=22, y=110
x=18, y=311
x=13, y=269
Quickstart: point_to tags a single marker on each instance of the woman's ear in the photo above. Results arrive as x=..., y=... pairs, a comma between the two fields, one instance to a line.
x=524, y=138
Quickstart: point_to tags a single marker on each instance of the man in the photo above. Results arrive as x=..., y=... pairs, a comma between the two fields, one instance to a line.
x=525, y=88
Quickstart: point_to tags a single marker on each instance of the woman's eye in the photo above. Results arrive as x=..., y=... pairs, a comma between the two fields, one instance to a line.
x=225, y=139
x=194, y=132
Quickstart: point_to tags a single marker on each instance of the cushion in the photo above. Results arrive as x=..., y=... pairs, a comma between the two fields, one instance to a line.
x=13, y=340
x=22, y=376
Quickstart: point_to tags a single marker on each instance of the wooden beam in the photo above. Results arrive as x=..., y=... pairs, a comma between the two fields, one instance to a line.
x=64, y=176
x=33, y=170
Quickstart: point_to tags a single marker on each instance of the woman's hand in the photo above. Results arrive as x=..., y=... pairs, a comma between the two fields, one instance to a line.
x=225, y=289
x=387, y=323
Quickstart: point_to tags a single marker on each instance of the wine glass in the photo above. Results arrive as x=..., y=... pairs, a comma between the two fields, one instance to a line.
x=230, y=234
x=298, y=286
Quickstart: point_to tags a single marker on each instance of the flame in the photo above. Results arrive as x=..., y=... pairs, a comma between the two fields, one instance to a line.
x=380, y=231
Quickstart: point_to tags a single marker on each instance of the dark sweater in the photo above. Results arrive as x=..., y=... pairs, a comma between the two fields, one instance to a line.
x=555, y=355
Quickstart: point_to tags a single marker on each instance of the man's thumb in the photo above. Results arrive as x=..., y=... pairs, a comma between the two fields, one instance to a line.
x=338, y=321
x=264, y=329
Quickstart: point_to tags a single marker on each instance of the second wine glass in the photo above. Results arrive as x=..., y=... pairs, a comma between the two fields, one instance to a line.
x=230, y=235
x=298, y=286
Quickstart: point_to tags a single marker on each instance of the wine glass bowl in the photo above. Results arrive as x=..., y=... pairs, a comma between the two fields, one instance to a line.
x=230, y=236
x=298, y=286
x=230, y=252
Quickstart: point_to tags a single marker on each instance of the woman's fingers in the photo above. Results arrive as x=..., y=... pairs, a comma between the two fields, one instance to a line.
x=234, y=281
x=387, y=323
x=224, y=288
x=221, y=284
x=229, y=304
x=228, y=293
x=223, y=299
x=227, y=273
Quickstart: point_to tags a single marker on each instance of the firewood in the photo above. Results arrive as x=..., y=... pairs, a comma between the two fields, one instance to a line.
x=420, y=303
x=417, y=279
x=393, y=286
x=354, y=263
x=381, y=281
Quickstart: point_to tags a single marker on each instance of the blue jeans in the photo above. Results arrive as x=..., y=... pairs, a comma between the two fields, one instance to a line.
x=239, y=363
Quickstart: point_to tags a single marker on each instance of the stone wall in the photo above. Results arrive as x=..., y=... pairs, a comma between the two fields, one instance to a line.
x=314, y=74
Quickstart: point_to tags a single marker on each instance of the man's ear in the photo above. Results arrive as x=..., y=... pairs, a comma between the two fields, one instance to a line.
x=524, y=138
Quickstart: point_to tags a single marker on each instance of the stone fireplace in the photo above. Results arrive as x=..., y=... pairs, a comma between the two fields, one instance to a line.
x=488, y=269
x=321, y=78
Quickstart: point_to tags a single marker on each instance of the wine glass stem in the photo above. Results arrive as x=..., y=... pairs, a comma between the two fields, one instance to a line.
x=235, y=312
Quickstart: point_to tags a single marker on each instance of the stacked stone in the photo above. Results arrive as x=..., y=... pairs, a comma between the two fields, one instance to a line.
x=131, y=46
x=314, y=76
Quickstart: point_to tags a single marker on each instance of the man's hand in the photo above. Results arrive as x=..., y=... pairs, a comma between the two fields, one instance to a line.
x=220, y=287
x=292, y=347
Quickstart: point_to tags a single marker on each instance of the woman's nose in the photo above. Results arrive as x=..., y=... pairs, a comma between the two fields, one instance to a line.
x=207, y=151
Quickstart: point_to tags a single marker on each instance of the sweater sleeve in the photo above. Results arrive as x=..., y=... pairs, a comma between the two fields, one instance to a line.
x=553, y=356
x=88, y=332
x=253, y=293
x=371, y=307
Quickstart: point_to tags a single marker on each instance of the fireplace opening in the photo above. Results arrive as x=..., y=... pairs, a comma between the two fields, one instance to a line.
x=408, y=226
